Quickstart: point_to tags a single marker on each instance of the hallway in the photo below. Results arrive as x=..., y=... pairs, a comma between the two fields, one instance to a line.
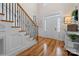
x=20, y=23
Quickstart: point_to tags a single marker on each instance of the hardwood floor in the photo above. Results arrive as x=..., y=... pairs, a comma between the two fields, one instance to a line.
x=45, y=47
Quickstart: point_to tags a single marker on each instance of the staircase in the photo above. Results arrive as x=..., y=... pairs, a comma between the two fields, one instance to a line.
x=17, y=29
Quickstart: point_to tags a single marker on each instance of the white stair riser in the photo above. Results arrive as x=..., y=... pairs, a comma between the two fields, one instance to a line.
x=16, y=41
x=1, y=17
x=7, y=24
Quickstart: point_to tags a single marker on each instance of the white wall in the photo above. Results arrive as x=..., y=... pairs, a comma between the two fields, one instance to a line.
x=47, y=9
x=30, y=8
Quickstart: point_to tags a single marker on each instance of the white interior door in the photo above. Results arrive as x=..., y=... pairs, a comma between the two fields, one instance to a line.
x=52, y=26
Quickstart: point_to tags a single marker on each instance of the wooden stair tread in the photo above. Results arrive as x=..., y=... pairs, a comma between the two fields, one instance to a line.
x=2, y=14
x=7, y=21
x=22, y=31
x=15, y=27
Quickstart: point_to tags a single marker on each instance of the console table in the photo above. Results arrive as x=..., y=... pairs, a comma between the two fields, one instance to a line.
x=71, y=46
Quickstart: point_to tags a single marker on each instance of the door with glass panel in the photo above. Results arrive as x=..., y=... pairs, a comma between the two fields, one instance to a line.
x=52, y=26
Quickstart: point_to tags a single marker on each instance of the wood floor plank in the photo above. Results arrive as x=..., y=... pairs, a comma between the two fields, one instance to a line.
x=26, y=52
x=52, y=52
x=51, y=47
x=38, y=49
x=29, y=52
x=42, y=51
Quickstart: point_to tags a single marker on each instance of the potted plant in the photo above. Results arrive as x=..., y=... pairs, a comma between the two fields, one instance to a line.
x=75, y=14
x=74, y=37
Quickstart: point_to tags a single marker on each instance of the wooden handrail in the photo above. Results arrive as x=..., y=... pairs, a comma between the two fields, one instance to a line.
x=27, y=14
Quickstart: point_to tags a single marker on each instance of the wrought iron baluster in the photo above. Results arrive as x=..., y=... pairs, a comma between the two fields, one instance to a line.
x=6, y=11
x=22, y=19
x=3, y=8
x=9, y=11
x=15, y=14
x=19, y=17
x=12, y=11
